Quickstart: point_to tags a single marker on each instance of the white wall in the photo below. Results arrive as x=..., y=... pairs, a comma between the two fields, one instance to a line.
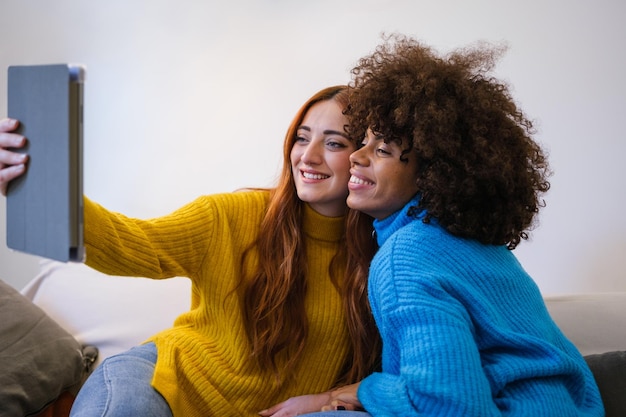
x=191, y=97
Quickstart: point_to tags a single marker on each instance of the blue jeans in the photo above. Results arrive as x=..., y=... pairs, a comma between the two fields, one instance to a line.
x=338, y=413
x=120, y=387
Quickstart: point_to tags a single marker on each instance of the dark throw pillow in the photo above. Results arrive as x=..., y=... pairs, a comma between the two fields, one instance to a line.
x=38, y=359
x=609, y=371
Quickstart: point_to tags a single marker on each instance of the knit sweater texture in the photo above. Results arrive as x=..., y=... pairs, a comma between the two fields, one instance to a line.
x=203, y=366
x=465, y=332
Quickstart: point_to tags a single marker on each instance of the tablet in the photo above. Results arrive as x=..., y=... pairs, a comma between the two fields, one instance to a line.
x=45, y=205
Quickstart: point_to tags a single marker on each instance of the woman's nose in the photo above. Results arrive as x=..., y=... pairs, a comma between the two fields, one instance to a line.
x=312, y=154
x=358, y=157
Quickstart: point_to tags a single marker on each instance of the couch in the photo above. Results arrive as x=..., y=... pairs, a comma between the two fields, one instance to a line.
x=78, y=312
x=66, y=321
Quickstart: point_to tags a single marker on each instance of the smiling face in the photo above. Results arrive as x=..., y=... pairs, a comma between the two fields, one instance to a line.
x=320, y=159
x=381, y=183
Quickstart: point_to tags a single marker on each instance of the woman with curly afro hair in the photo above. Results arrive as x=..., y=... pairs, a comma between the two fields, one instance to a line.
x=448, y=168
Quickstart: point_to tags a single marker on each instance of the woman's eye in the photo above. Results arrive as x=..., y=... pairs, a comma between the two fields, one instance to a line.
x=335, y=144
x=301, y=139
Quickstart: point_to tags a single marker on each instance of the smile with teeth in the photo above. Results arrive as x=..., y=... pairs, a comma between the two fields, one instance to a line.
x=360, y=181
x=311, y=176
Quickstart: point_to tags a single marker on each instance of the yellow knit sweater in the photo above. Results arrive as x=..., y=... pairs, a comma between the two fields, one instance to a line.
x=203, y=367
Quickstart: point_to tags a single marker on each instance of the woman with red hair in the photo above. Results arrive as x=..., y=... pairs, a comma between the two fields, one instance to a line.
x=279, y=304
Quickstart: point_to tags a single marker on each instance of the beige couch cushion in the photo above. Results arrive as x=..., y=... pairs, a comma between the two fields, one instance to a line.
x=110, y=312
x=593, y=322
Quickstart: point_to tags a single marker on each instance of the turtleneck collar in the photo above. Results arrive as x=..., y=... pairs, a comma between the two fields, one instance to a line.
x=389, y=225
x=317, y=226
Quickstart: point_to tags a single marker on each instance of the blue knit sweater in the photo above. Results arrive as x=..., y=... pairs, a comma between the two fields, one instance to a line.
x=465, y=332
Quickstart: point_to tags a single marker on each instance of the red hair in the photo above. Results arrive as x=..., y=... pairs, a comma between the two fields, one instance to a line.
x=273, y=297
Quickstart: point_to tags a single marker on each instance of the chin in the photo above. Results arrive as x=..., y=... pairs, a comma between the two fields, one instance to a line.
x=353, y=203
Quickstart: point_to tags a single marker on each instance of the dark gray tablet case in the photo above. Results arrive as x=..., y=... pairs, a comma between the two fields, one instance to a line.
x=45, y=205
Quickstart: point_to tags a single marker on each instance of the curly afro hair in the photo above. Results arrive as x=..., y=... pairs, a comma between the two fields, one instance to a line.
x=481, y=174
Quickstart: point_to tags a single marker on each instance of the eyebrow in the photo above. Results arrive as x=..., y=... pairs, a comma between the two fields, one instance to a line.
x=386, y=140
x=326, y=132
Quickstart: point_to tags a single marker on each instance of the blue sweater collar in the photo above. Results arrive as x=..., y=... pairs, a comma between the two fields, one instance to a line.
x=389, y=225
